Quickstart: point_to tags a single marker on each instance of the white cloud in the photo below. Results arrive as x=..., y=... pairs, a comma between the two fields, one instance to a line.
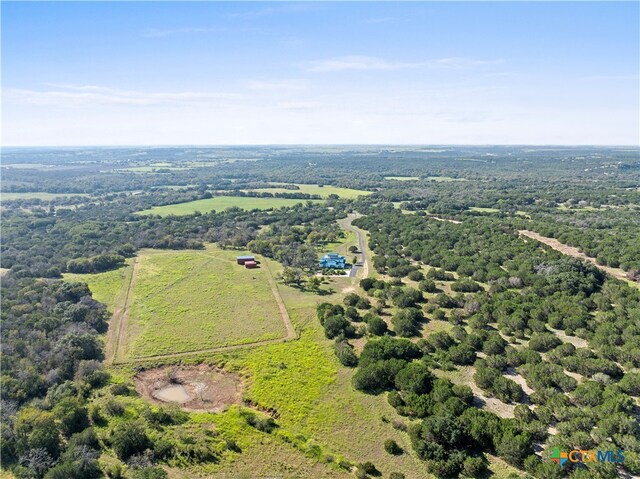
x=612, y=78
x=425, y=112
x=458, y=63
x=158, y=33
x=298, y=105
x=276, y=85
x=75, y=95
x=355, y=62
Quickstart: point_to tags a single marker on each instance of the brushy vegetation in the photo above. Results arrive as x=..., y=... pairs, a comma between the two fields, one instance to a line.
x=104, y=287
x=539, y=340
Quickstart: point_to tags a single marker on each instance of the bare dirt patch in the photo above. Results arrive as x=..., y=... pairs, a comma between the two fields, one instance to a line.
x=194, y=388
x=512, y=374
x=463, y=375
x=437, y=218
x=576, y=341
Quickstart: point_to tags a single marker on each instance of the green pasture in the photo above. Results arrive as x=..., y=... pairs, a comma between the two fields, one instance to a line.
x=323, y=191
x=104, y=287
x=152, y=169
x=186, y=301
x=221, y=203
x=402, y=178
x=40, y=195
x=444, y=179
x=479, y=209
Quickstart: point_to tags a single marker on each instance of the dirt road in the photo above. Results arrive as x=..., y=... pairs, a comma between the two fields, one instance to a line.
x=364, y=262
x=575, y=252
x=120, y=317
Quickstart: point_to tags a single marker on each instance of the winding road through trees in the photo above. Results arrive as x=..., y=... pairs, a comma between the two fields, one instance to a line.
x=363, y=264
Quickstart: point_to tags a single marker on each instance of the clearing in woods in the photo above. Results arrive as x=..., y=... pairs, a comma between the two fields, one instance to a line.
x=323, y=191
x=402, y=178
x=175, y=303
x=575, y=252
x=104, y=286
x=40, y=195
x=221, y=203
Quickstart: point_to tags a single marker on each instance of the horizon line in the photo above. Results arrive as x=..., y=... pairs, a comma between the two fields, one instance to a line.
x=222, y=145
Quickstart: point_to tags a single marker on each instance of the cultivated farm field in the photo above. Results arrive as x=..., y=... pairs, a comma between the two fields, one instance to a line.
x=221, y=203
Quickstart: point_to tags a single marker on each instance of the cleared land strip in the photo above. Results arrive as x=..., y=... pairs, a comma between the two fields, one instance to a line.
x=117, y=328
x=120, y=316
x=575, y=252
x=291, y=332
x=437, y=218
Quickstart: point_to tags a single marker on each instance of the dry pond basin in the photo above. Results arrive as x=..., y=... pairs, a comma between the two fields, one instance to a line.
x=193, y=388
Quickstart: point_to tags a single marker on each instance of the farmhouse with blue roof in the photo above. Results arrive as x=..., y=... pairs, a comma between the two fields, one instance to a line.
x=333, y=260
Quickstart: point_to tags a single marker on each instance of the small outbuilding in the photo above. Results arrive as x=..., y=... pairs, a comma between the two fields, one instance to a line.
x=250, y=264
x=244, y=259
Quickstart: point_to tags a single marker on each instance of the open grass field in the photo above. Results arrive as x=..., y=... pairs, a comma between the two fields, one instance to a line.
x=402, y=178
x=190, y=301
x=444, y=179
x=323, y=191
x=36, y=195
x=478, y=209
x=342, y=245
x=184, y=301
x=220, y=203
x=153, y=169
x=28, y=166
x=104, y=287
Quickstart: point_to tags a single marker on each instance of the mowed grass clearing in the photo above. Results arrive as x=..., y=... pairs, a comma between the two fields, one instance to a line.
x=479, y=209
x=323, y=191
x=184, y=301
x=104, y=287
x=444, y=179
x=402, y=178
x=39, y=195
x=221, y=203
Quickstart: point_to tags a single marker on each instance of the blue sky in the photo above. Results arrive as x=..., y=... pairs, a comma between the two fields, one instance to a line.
x=151, y=73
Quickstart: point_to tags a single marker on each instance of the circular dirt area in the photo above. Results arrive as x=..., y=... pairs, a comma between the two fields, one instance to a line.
x=194, y=388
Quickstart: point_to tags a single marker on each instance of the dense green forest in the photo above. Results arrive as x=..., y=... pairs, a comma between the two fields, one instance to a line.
x=553, y=337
